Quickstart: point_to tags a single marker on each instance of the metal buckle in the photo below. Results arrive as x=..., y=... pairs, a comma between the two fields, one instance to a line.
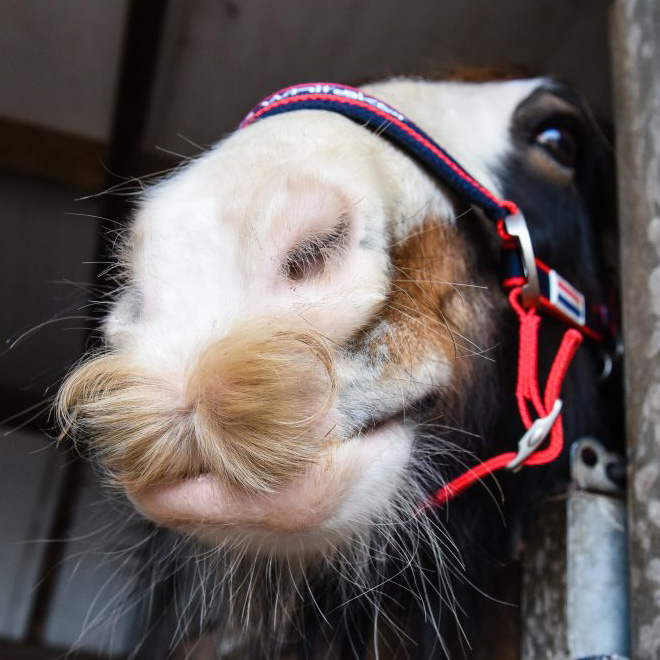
x=515, y=225
x=534, y=436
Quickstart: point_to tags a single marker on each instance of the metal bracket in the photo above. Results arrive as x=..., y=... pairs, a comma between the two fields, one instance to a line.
x=595, y=469
x=575, y=598
x=597, y=607
x=516, y=225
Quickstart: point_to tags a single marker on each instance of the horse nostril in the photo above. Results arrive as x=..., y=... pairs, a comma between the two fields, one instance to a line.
x=310, y=257
x=260, y=398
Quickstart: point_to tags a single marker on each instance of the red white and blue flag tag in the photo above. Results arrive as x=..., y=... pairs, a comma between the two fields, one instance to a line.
x=566, y=299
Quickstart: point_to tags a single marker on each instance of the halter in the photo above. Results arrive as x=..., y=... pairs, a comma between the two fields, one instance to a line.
x=532, y=284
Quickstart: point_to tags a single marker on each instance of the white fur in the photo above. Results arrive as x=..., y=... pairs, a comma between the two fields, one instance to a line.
x=209, y=242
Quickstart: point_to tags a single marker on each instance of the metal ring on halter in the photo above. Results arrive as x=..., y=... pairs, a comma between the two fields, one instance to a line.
x=516, y=226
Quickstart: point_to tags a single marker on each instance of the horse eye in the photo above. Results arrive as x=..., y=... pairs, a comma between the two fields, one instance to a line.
x=560, y=142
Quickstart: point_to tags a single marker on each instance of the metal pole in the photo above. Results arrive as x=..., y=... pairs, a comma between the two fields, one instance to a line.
x=575, y=601
x=635, y=32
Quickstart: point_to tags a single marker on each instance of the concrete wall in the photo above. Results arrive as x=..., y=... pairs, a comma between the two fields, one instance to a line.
x=636, y=42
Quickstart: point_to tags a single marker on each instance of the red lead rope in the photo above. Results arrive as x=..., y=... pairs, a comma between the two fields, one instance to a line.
x=527, y=394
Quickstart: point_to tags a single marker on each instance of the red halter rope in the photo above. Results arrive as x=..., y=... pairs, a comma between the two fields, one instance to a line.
x=527, y=393
x=531, y=283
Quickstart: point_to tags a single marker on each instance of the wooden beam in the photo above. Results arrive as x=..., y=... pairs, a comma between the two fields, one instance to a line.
x=65, y=159
x=42, y=153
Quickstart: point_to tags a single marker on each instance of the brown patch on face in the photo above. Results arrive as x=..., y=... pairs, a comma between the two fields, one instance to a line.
x=431, y=311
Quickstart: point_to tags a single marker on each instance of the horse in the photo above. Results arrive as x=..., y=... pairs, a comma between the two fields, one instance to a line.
x=322, y=376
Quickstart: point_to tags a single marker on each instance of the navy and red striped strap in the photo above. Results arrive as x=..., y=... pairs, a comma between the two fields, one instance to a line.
x=382, y=118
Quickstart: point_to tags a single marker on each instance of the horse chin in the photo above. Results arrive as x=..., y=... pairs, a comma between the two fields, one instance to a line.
x=338, y=498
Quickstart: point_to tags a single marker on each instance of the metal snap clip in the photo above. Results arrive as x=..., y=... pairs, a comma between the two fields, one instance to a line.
x=534, y=436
